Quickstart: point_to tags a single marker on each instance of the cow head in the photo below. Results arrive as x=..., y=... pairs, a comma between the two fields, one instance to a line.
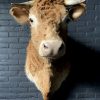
x=48, y=23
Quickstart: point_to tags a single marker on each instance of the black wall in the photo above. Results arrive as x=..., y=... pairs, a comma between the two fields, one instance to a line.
x=84, y=46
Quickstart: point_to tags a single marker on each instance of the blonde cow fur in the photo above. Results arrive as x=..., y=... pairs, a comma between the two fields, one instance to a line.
x=46, y=61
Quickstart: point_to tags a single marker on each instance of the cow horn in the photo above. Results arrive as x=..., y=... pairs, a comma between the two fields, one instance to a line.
x=73, y=2
x=29, y=3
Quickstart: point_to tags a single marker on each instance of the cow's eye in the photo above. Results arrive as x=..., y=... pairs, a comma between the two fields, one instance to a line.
x=31, y=20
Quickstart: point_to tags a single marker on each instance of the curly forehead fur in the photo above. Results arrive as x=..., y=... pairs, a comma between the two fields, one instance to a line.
x=50, y=10
x=49, y=2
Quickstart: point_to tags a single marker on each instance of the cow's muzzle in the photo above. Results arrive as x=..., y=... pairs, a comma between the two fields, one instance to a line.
x=52, y=49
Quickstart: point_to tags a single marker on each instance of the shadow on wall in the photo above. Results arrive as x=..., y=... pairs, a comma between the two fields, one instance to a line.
x=85, y=63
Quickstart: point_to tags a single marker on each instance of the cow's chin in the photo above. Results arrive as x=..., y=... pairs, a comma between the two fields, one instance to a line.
x=54, y=57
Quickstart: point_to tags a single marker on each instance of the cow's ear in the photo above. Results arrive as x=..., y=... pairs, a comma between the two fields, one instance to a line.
x=76, y=11
x=20, y=12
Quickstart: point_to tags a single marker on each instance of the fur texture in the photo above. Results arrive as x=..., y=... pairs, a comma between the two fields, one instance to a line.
x=48, y=22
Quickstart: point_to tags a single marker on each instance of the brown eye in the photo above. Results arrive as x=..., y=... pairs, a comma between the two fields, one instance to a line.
x=31, y=20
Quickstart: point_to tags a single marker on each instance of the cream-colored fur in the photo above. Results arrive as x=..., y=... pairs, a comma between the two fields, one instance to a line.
x=48, y=22
x=47, y=77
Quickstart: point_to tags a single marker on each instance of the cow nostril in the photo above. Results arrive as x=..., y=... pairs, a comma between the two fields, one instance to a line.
x=61, y=48
x=45, y=46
